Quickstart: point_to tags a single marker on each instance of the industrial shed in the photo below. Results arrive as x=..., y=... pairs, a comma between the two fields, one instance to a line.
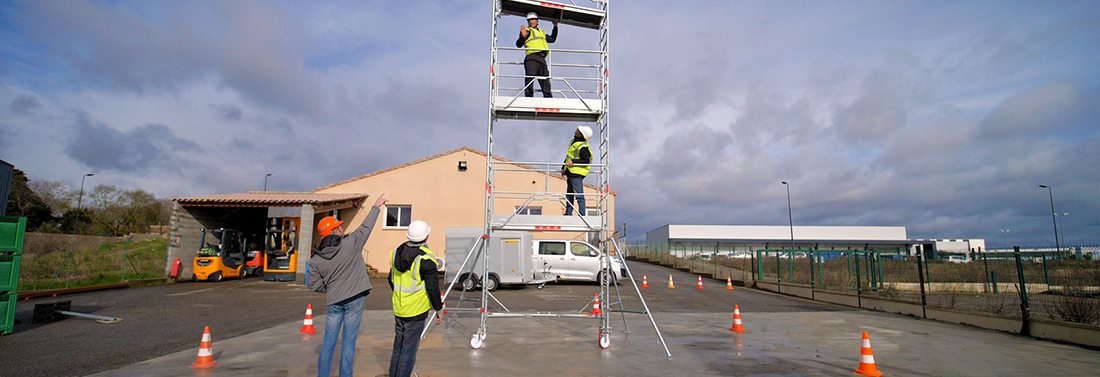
x=742, y=240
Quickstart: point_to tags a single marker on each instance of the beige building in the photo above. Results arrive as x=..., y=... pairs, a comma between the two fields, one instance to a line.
x=445, y=190
x=448, y=190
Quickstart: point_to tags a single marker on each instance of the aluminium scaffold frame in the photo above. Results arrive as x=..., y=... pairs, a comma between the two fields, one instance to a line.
x=577, y=103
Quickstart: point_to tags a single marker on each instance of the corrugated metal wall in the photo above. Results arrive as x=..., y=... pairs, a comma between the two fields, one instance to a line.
x=5, y=185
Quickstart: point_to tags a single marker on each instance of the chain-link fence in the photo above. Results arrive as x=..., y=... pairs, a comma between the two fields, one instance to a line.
x=1057, y=286
x=65, y=261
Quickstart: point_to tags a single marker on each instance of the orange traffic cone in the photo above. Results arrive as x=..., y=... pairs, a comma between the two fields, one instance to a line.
x=307, y=324
x=645, y=281
x=867, y=359
x=729, y=282
x=737, y=320
x=700, y=286
x=596, y=305
x=670, y=285
x=206, y=351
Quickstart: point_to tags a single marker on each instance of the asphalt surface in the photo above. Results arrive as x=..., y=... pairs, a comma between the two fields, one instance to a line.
x=168, y=319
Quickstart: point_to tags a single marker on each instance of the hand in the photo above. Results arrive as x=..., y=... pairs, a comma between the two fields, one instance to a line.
x=381, y=200
x=569, y=163
x=523, y=31
x=438, y=318
x=555, y=24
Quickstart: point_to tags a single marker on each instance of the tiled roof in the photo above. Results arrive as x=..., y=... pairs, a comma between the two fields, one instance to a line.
x=268, y=199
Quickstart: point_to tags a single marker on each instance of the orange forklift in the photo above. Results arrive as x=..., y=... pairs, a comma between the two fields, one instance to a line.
x=220, y=255
x=281, y=249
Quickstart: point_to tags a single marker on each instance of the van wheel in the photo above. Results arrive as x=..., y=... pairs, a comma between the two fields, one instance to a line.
x=469, y=282
x=492, y=283
x=217, y=276
x=603, y=277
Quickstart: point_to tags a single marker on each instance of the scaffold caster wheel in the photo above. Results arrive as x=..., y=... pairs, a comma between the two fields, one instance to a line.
x=477, y=341
x=605, y=341
x=542, y=285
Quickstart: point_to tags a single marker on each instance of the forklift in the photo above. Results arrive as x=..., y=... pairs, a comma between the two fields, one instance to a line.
x=281, y=249
x=220, y=255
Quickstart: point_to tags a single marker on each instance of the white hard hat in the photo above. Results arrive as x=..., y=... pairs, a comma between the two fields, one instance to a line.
x=585, y=131
x=418, y=231
x=532, y=15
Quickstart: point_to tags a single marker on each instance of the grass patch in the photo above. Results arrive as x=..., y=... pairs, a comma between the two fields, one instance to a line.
x=110, y=263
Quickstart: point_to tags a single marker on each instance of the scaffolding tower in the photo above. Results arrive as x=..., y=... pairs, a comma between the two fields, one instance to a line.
x=582, y=79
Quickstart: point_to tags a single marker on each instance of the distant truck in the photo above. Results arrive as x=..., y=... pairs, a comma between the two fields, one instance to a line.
x=518, y=259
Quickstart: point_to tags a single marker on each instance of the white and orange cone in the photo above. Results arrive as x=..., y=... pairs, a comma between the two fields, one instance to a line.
x=700, y=286
x=307, y=324
x=645, y=281
x=729, y=283
x=670, y=285
x=596, y=305
x=867, y=359
x=206, y=351
x=737, y=320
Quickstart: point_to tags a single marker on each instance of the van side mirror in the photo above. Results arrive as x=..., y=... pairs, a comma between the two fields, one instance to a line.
x=593, y=253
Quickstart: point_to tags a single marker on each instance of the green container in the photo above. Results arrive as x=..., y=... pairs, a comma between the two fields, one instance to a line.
x=12, y=230
x=7, y=312
x=9, y=272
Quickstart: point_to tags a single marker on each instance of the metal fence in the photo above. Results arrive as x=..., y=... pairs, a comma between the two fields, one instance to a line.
x=1056, y=286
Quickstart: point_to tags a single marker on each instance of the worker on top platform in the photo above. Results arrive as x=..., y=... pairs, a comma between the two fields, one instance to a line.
x=536, y=41
x=578, y=153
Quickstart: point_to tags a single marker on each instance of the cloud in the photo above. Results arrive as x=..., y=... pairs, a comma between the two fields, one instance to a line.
x=140, y=150
x=228, y=111
x=23, y=104
x=1038, y=110
x=250, y=47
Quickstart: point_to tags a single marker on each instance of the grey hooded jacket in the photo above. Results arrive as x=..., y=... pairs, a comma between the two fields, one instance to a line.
x=338, y=269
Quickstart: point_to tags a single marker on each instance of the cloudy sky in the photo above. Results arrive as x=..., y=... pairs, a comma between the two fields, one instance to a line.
x=944, y=117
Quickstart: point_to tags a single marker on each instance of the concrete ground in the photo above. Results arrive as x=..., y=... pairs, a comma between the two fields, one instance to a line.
x=776, y=344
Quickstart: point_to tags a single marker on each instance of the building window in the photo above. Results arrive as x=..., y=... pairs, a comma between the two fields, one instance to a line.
x=529, y=210
x=398, y=216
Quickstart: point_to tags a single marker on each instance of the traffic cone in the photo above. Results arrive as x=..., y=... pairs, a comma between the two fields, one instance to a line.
x=645, y=281
x=596, y=305
x=737, y=320
x=206, y=351
x=729, y=283
x=700, y=286
x=670, y=285
x=867, y=359
x=307, y=324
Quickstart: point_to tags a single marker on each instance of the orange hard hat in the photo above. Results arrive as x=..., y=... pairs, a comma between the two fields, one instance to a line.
x=327, y=224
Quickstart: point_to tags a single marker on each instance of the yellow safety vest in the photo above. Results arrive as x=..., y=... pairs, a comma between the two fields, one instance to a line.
x=410, y=299
x=536, y=39
x=575, y=153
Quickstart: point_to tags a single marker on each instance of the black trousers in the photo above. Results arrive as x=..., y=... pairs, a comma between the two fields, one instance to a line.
x=406, y=342
x=535, y=65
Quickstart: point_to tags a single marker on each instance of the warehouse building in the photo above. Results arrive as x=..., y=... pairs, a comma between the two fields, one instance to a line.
x=741, y=240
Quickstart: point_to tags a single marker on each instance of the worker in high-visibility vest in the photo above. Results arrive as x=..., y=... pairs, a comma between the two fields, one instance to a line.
x=536, y=42
x=578, y=154
x=415, y=283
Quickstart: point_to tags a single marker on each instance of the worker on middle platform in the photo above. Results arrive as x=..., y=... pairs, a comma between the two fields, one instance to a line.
x=414, y=279
x=578, y=153
x=537, y=43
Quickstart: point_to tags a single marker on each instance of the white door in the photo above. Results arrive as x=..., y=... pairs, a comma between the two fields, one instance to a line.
x=553, y=260
x=584, y=261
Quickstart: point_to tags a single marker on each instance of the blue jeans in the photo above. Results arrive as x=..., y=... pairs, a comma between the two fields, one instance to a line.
x=349, y=314
x=405, y=344
x=574, y=190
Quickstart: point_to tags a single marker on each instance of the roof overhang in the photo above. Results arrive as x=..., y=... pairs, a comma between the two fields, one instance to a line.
x=273, y=199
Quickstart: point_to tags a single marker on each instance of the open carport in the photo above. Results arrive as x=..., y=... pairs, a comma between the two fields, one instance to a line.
x=251, y=214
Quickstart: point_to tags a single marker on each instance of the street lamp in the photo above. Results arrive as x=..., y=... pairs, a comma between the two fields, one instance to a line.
x=265, y=181
x=80, y=199
x=1062, y=224
x=789, y=215
x=1053, y=217
x=1004, y=236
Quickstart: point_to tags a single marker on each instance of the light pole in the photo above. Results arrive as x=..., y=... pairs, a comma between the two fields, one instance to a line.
x=1053, y=217
x=1062, y=224
x=1004, y=236
x=790, y=216
x=265, y=181
x=80, y=199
